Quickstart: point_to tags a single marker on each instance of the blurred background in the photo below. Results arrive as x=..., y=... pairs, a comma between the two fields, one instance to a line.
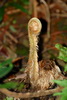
x=14, y=17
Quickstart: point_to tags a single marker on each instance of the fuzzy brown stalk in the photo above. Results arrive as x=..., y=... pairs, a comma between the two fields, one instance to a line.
x=42, y=74
x=34, y=27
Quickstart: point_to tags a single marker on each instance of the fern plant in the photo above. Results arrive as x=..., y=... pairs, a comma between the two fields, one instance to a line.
x=5, y=67
x=63, y=83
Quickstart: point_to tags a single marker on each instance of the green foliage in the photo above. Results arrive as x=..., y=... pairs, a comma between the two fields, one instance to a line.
x=12, y=28
x=63, y=83
x=65, y=68
x=62, y=53
x=9, y=98
x=63, y=94
x=9, y=85
x=5, y=67
x=12, y=85
x=1, y=13
x=20, y=87
x=14, y=21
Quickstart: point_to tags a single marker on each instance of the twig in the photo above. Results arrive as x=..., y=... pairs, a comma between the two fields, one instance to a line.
x=35, y=8
x=59, y=15
x=29, y=94
x=47, y=13
x=11, y=37
x=13, y=11
x=22, y=76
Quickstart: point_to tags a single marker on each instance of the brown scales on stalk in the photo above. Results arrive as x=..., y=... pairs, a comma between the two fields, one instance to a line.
x=42, y=74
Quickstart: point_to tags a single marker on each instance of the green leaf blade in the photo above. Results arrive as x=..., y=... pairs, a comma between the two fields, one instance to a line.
x=61, y=82
x=9, y=85
x=5, y=70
